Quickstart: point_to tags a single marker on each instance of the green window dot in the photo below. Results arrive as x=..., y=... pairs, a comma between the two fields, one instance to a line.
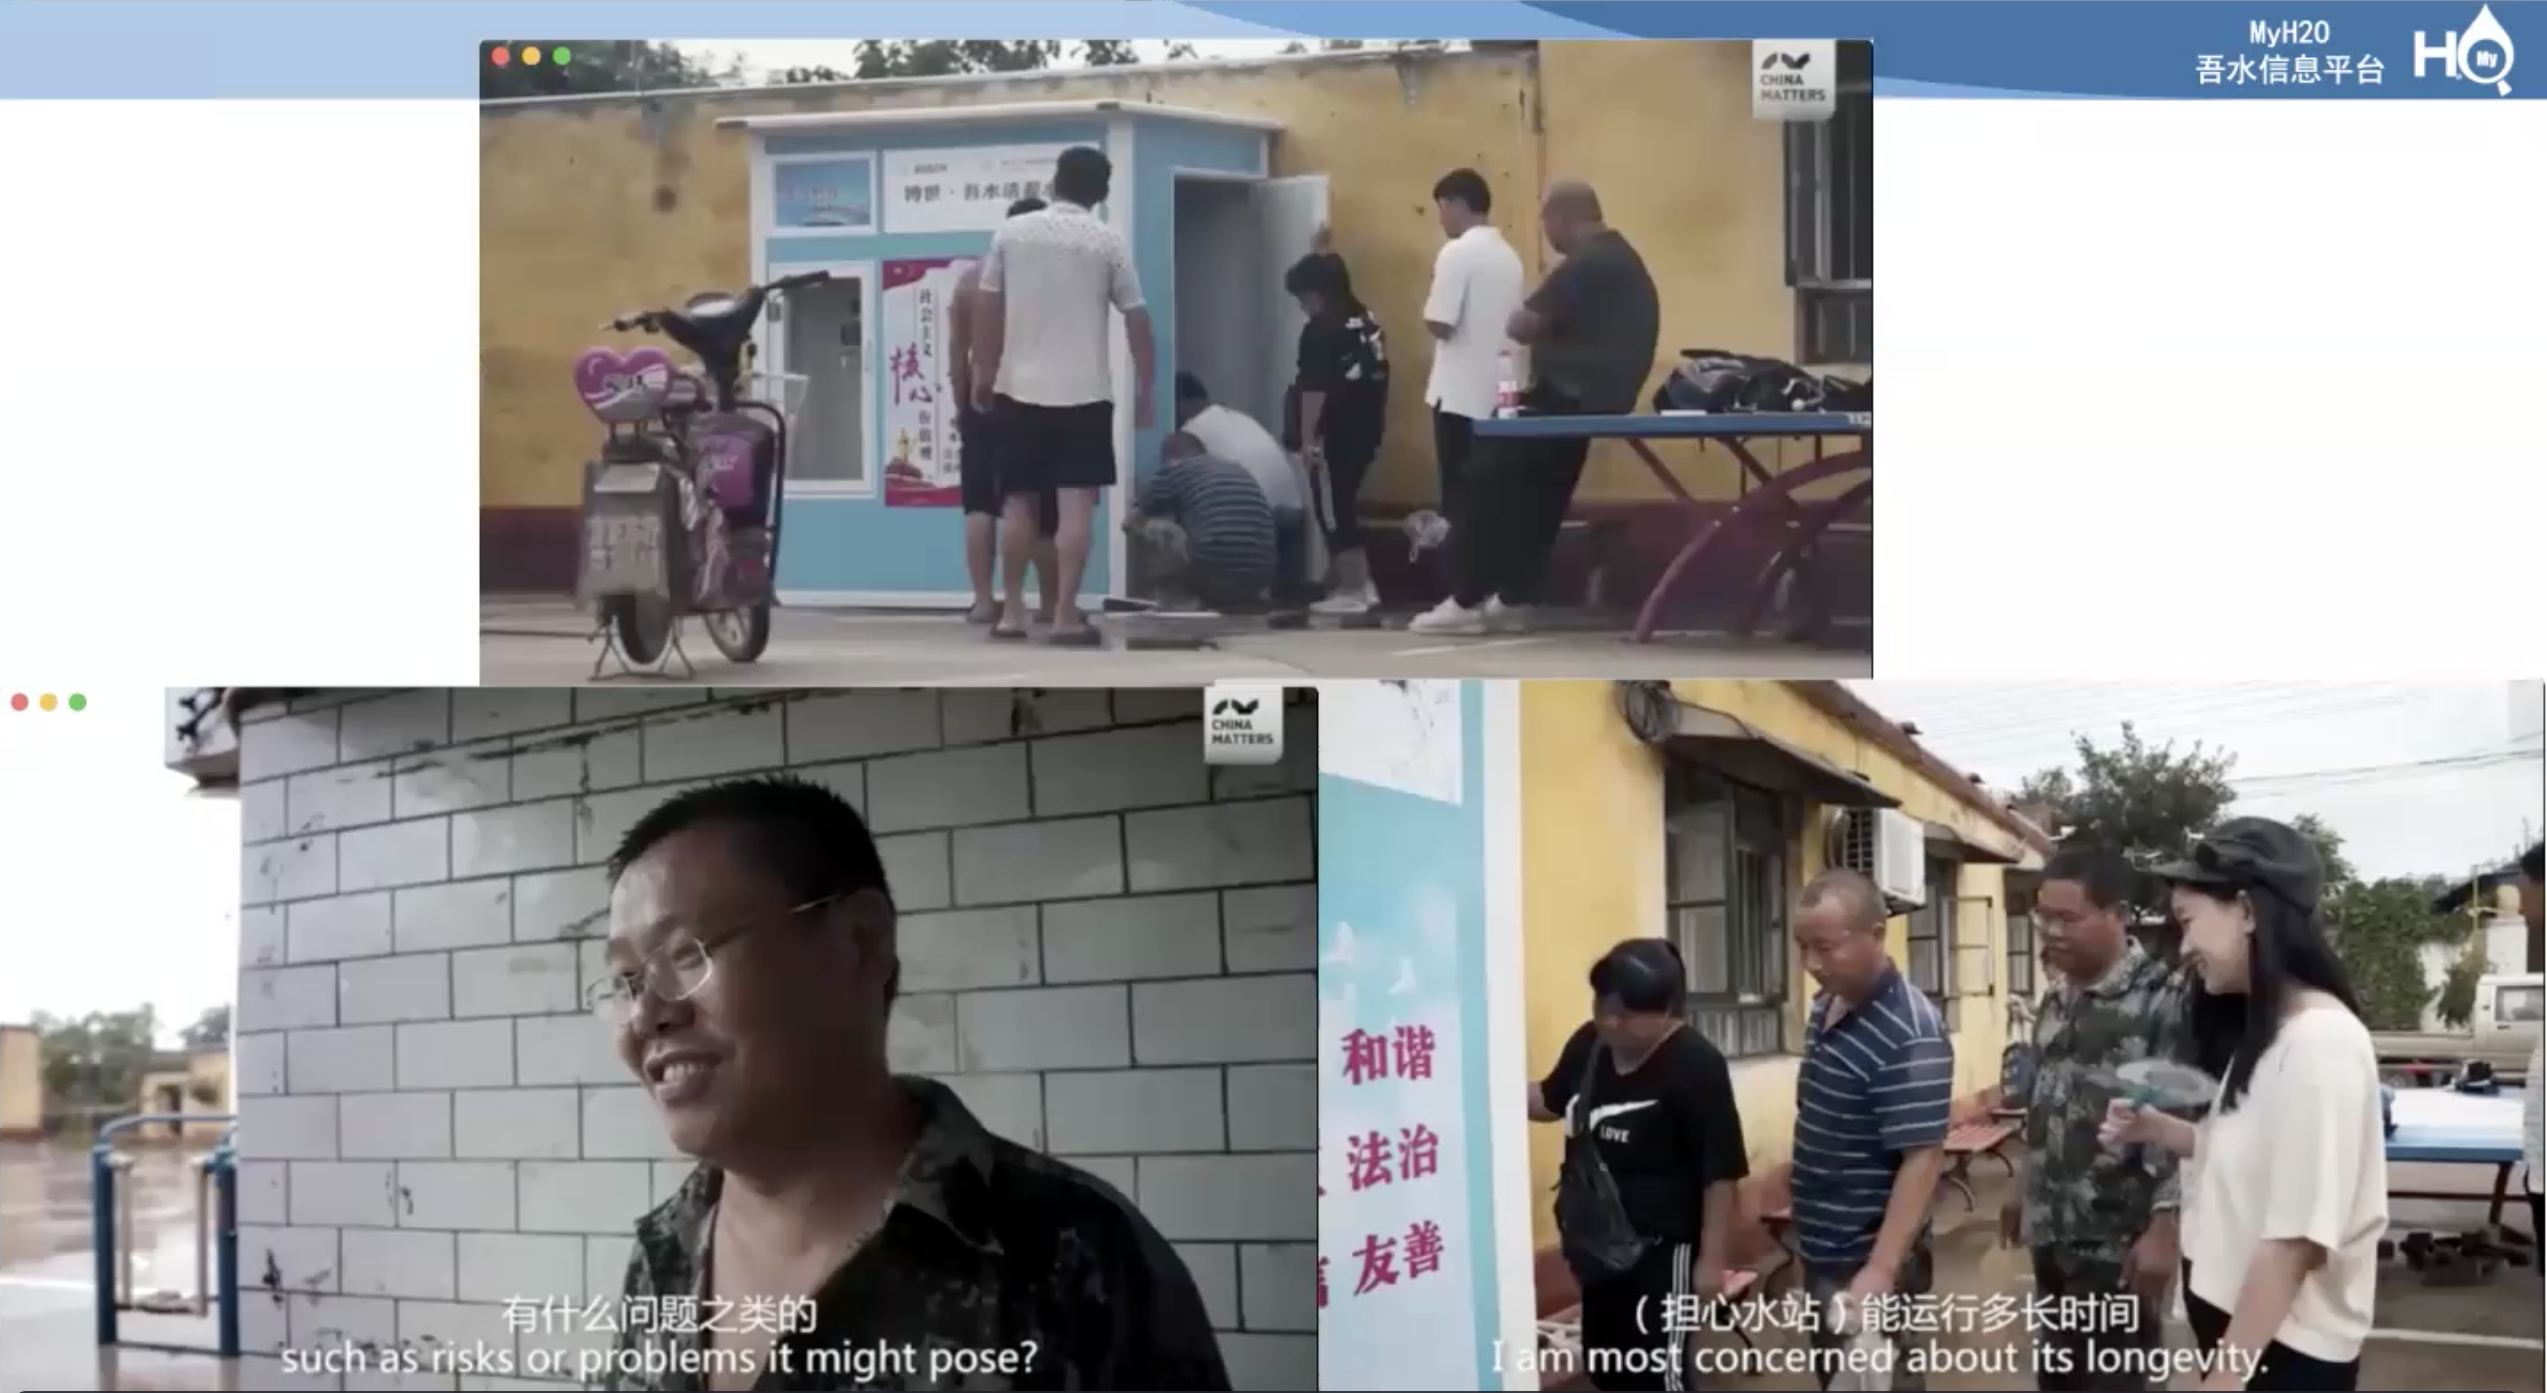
x=561, y=56
x=78, y=702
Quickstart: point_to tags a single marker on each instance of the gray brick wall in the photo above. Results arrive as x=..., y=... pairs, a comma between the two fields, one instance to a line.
x=1107, y=950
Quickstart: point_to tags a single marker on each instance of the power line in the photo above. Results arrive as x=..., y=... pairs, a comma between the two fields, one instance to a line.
x=2144, y=713
x=2031, y=741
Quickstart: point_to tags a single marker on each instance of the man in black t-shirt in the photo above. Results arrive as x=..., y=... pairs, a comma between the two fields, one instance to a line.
x=1591, y=328
x=1660, y=1108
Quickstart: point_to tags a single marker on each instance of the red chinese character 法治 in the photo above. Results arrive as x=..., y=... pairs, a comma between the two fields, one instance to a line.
x=1365, y=1056
x=1418, y=1152
x=1367, y=1158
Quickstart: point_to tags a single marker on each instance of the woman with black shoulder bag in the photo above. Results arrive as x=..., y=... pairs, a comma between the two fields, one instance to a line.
x=1645, y=1202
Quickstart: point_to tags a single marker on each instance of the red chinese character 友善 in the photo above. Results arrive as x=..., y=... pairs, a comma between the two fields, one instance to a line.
x=1365, y=1056
x=1414, y=1051
x=1418, y=1152
x=1379, y=1264
x=1322, y=1284
x=1367, y=1157
x=1423, y=1248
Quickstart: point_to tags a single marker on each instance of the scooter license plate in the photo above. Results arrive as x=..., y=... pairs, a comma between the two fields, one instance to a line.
x=623, y=554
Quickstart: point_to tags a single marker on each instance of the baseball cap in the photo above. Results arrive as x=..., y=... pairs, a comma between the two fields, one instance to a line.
x=2252, y=853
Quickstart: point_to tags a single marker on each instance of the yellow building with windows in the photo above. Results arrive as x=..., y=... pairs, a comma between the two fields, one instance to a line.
x=1697, y=811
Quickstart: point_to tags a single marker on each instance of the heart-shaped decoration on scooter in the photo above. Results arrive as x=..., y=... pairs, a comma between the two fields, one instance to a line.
x=620, y=386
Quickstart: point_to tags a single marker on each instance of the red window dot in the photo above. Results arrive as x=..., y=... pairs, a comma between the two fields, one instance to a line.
x=501, y=57
x=18, y=702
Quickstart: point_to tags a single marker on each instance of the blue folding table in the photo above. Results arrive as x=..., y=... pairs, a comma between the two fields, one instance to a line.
x=1768, y=500
x=2441, y=1126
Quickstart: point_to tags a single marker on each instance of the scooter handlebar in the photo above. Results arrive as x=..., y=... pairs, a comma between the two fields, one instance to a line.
x=651, y=321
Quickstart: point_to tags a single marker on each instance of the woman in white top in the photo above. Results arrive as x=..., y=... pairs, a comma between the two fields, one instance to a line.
x=2281, y=1233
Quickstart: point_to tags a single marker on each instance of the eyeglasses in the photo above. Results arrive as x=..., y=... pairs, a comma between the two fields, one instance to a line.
x=676, y=971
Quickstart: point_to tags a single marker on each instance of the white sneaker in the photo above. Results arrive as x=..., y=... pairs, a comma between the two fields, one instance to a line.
x=1361, y=601
x=1502, y=618
x=1449, y=617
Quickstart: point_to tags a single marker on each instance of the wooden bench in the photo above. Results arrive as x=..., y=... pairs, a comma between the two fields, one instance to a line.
x=1968, y=1142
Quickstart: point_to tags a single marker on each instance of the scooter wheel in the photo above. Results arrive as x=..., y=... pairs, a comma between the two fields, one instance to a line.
x=739, y=634
x=644, y=627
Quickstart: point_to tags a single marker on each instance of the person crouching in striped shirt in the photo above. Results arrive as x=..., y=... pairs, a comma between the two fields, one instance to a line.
x=1202, y=532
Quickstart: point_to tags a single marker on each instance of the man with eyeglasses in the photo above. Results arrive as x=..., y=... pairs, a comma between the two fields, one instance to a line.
x=751, y=967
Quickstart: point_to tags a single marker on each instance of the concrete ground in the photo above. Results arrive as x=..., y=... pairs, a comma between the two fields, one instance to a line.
x=48, y=1332
x=48, y=1309
x=2483, y=1337
x=525, y=643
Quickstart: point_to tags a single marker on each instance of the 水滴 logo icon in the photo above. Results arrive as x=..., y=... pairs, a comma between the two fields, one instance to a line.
x=2482, y=54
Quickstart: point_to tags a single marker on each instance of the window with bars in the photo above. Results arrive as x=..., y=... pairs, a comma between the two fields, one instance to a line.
x=1830, y=220
x=1724, y=890
x=1932, y=943
x=2021, y=956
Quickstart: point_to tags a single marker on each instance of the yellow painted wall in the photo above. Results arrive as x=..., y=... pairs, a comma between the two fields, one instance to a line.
x=1592, y=874
x=594, y=206
x=21, y=1081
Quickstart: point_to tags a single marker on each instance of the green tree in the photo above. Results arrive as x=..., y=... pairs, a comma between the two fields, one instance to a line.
x=96, y=1061
x=211, y=1030
x=2338, y=874
x=2457, y=1004
x=2142, y=802
x=602, y=65
x=2379, y=928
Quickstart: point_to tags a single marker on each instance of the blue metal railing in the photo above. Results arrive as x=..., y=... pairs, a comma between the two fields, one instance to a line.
x=221, y=1167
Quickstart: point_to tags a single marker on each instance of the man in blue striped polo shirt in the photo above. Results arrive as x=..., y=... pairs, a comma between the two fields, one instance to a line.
x=1870, y=1119
x=1202, y=530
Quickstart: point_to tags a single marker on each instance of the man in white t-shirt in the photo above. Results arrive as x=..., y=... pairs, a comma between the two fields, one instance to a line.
x=1043, y=368
x=1477, y=285
x=1233, y=435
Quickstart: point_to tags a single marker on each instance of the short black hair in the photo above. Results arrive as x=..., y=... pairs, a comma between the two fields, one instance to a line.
x=1082, y=175
x=1465, y=186
x=2108, y=880
x=1320, y=273
x=1190, y=388
x=1863, y=900
x=802, y=834
x=1644, y=975
x=2533, y=863
x=1023, y=206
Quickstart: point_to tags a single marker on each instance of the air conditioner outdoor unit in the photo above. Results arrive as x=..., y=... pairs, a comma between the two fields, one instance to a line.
x=1887, y=847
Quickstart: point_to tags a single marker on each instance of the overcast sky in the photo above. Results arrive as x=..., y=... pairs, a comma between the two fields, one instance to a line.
x=2419, y=779
x=118, y=886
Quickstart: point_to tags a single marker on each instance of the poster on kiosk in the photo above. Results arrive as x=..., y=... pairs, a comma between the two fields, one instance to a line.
x=1418, y=1260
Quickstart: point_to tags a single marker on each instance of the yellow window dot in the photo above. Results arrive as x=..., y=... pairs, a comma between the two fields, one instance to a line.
x=45, y=701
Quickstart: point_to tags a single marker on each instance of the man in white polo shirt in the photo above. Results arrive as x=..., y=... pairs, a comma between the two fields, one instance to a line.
x=1233, y=435
x=1477, y=284
x=1049, y=289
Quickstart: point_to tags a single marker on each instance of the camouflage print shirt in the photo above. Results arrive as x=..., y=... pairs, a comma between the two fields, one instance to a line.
x=2080, y=1194
x=986, y=1246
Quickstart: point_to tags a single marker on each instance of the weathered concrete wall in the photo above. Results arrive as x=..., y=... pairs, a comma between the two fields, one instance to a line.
x=591, y=207
x=1105, y=947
